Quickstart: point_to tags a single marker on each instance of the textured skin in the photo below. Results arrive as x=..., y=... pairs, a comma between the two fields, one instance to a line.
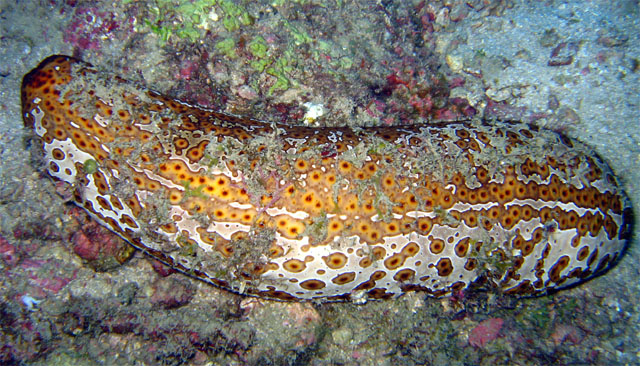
x=333, y=214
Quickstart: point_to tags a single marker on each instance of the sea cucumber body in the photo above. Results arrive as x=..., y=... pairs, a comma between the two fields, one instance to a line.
x=290, y=212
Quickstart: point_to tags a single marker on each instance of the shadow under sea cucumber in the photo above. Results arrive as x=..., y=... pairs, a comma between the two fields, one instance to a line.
x=299, y=213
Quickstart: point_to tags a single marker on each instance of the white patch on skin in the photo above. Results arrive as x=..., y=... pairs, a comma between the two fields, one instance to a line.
x=275, y=211
x=37, y=114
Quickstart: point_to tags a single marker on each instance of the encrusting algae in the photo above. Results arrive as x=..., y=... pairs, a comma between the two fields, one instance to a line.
x=294, y=213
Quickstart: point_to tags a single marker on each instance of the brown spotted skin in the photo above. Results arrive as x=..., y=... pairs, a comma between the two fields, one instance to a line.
x=295, y=213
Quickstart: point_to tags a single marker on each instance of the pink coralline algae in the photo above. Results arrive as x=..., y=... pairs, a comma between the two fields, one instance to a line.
x=171, y=293
x=42, y=275
x=485, y=332
x=101, y=248
x=89, y=28
x=565, y=333
x=8, y=252
x=162, y=269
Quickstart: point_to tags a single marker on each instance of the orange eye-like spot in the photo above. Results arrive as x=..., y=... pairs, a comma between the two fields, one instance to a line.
x=463, y=134
x=124, y=115
x=583, y=253
x=60, y=133
x=411, y=249
x=294, y=265
x=127, y=220
x=461, y=247
x=371, y=167
x=104, y=203
x=335, y=226
x=404, y=275
x=276, y=251
x=462, y=144
x=482, y=174
x=444, y=267
x=365, y=262
x=58, y=154
x=558, y=267
x=345, y=167
x=436, y=246
x=378, y=275
x=180, y=143
x=344, y=278
x=312, y=285
x=424, y=225
x=471, y=264
x=301, y=164
x=394, y=262
x=335, y=260
x=527, y=248
x=169, y=228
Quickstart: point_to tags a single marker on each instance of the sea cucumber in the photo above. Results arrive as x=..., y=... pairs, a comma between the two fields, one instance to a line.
x=295, y=212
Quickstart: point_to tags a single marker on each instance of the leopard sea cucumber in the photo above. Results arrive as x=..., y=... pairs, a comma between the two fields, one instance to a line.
x=294, y=212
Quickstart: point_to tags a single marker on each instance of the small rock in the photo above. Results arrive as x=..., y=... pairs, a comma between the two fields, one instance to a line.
x=102, y=249
x=498, y=95
x=246, y=92
x=161, y=269
x=485, y=332
x=442, y=17
x=171, y=293
x=342, y=336
x=455, y=63
x=548, y=38
x=565, y=118
x=459, y=12
x=611, y=38
x=302, y=314
x=522, y=54
x=564, y=333
x=127, y=292
x=284, y=326
x=553, y=102
x=563, y=54
x=121, y=323
x=8, y=252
